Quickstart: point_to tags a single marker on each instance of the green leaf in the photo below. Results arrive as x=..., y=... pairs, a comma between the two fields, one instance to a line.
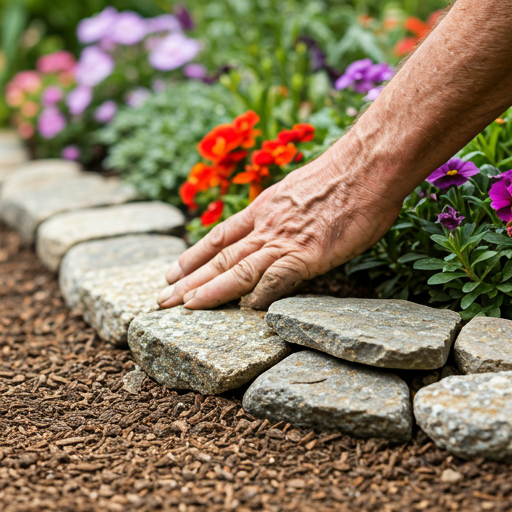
x=429, y=264
x=485, y=256
x=507, y=271
x=494, y=312
x=505, y=288
x=468, y=299
x=411, y=256
x=471, y=312
x=442, y=240
x=450, y=267
x=496, y=238
x=469, y=287
x=467, y=231
x=445, y=277
x=365, y=266
x=439, y=296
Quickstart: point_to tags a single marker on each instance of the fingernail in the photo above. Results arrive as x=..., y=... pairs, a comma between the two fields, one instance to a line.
x=174, y=273
x=189, y=296
x=165, y=294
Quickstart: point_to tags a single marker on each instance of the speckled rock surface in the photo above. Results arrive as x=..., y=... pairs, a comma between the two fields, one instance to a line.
x=26, y=211
x=57, y=235
x=484, y=345
x=207, y=351
x=314, y=390
x=112, y=252
x=383, y=333
x=469, y=415
x=110, y=298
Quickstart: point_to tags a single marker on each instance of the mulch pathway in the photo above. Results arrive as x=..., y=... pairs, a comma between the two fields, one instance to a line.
x=72, y=439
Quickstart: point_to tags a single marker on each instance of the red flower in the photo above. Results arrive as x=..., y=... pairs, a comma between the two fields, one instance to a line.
x=253, y=174
x=244, y=125
x=188, y=192
x=260, y=157
x=231, y=159
x=254, y=191
x=419, y=29
x=213, y=213
x=219, y=142
x=299, y=133
x=283, y=154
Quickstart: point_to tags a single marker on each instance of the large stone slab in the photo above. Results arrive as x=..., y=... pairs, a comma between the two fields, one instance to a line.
x=314, y=390
x=113, y=252
x=57, y=235
x=110, y=298
x=207, y=351
x=383, y=333
x=9, y=138
x=469, y=415
x=484, y=345
x=26, y=211
x=11, y=157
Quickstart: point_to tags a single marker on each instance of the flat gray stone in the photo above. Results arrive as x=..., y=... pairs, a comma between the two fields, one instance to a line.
x=314, y=390
x=383, y=333
x=26, y=211
x=132, y=381
x=111, y=298
x=207, y=351
x=469, y=415
x=11, y=157
x=112, y=252
x=484, y=345
x=57, y=235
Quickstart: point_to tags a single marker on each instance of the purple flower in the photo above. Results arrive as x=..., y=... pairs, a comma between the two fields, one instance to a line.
x=450, y=218
x=51, y=122
x=363, y=75
x=137, y=97
x=453, y=173
x=173, y=51
x=71, y=153
x=184, y=17
x=373, y=94
x=105, y=112
x=51, y=95
x=163, y=23
x=94, y=66
x=79, y=99
x=94, y=29
x=197, y=71
x=129, y=28
x=501, y=195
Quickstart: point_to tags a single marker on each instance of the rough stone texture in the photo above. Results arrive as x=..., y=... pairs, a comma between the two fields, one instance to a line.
x=469, y=415
x=110, y=298
x=57, y=235
x=132, y=381
x=26, y=211
x=484, y=345
x=383, y=333
x=113, y=252
x=207, y=351
x=34, y=175
x=314, y=390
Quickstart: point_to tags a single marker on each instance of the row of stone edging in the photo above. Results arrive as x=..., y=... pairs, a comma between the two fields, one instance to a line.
x=469, y=414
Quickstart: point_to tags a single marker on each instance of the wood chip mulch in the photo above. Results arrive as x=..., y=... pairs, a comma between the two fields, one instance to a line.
x=72, y=439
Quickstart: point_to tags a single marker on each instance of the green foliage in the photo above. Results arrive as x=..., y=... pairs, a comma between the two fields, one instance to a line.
x=153, y=146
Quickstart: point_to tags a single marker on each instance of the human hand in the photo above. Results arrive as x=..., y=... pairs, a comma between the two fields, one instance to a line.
x=317, y=218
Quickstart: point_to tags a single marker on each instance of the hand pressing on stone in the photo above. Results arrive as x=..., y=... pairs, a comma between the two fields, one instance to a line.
x=332, y=209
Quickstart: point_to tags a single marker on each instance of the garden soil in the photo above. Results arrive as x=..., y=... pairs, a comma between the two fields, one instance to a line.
x=73, y=439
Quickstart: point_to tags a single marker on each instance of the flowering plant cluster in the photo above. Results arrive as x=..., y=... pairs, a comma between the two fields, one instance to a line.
x=232, y=169
x=125, y=56
x=453, y=239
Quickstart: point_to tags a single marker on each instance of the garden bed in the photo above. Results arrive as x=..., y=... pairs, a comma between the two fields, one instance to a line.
x=74, y=439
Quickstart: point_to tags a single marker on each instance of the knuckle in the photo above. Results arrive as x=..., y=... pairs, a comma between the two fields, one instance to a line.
x=245, y=272
x=217, y=236
x=221, y=262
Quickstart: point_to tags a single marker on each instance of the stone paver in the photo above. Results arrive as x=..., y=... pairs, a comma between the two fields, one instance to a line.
x=113, y=252
x=110, y=298
x=484, y=345
x=314, y=390
x=207, y=351
x=383, y=333
x=57, y=235
x=469, y=415
x=12, y=155
x=25, y=212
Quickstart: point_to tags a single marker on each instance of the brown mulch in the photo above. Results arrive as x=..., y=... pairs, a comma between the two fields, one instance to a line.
x=72, y=439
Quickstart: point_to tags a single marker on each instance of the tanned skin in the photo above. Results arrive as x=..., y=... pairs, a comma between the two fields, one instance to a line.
x=457, y=82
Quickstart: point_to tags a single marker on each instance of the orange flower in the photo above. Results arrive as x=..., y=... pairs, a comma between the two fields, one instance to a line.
x=283, y=153
x=244, y=125
x=254, y=191
x=231, y=159
x=213, y=213
x=419, y=29
x=299, y=133
x=219, y=142
x=253, y=174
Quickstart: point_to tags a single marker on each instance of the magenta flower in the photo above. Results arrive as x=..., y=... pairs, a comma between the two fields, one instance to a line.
x=105, y=112
x=56, y=62
x=163, y=23
x=363, y=75
x=71, y=152
x=184, y=17
x=51, y=122
x=79, y=99
x=501, y=195
x=97, y=27
x=197, y=71
x=373, y=94
x=129, y=28
x=52, y=95
x=173, y=51
x=137, y=97
x=94, y=66
x=453, y=173
x=450, y=218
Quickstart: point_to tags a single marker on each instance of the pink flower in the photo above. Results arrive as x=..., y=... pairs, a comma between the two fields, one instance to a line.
x=94, y=66
x=105, y=112
x=14, y=96
x=28, y=81
x=173, y=51
x=71, y=152
x=137, y=97
x=79, y=99
x=26, y=130
x=163, y=23
x=453, y=173
x=197, y=71
x=51, y=122
x=51, y=95
x=29, y=109
x=501, y=195
x=55, y=62
x=129, y=28
x=97, y=27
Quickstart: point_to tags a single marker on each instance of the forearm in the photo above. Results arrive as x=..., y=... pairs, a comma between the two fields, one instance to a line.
x=456, y=83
